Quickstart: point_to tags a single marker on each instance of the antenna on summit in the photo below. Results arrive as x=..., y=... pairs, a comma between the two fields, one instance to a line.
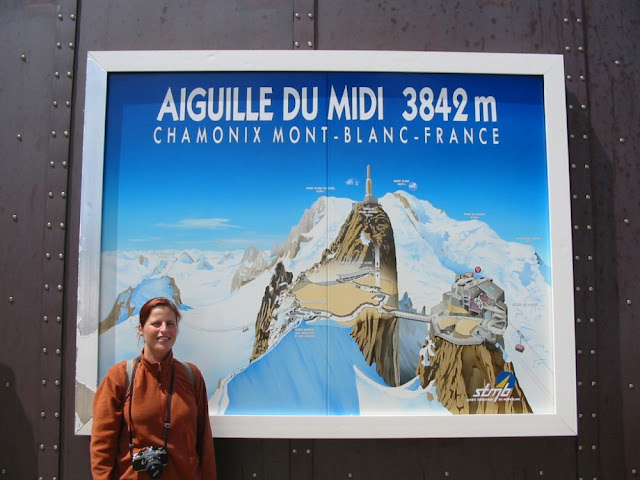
x=369, y=199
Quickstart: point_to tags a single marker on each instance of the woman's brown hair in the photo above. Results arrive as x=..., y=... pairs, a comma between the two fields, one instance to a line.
x=156, y=302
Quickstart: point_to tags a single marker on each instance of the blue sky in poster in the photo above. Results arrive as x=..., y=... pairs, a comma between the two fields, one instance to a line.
x=171, y=191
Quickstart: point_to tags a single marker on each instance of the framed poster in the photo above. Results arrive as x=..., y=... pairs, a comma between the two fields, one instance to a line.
x=362, y=244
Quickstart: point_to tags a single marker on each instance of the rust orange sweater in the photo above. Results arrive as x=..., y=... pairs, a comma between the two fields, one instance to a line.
x=190, y=444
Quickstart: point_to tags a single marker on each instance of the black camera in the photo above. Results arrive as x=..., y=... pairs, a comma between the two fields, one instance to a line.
x=150, y=460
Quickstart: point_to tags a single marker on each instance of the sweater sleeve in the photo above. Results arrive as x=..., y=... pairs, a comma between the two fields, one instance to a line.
x=107, y=420
x=205, y=447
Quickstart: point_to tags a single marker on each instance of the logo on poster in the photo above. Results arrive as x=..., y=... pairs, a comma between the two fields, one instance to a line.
x=505, y=382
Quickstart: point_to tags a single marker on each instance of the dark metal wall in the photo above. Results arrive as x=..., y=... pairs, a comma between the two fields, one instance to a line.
x=43, y=48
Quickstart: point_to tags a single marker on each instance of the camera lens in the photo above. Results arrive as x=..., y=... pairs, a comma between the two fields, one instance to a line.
x=154, y=467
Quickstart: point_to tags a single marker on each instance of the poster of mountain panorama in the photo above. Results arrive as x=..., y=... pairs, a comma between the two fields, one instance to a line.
x=338, y=243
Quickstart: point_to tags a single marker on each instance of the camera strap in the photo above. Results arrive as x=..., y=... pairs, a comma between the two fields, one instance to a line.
x=167, y=423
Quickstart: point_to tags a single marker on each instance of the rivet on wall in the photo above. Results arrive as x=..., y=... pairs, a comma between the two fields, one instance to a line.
x=72, y=16
x=55, y=103
x=57, y=74
x=23, y=57
x=57, y=383
x=52, y=164
x=310, y=15
x=19, y=137
x=46, y=286
x=569, y=78
x=44, y=350
x=53, y=133
x=310, y=44
x=60, y=17
x=45, y=318
x=69, y=74
x=44, y=381
x=48, y=255
x=59, y=45
x=296, y=44
x=62, y=226
x=58, y=351
x=621, y=140
x=60, y=256
x=297, y=15
x=49, y=225
x=14, y=217
x=59, y=319
x=71, y=45
x=626, y=220
x=10, y=299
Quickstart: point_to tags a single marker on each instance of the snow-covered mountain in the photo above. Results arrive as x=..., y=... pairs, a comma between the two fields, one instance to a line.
x=224, y=291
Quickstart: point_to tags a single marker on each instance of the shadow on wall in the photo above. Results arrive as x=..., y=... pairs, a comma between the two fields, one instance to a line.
x=18, y=456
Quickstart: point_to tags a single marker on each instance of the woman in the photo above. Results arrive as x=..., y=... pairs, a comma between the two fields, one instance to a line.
x=150, y=416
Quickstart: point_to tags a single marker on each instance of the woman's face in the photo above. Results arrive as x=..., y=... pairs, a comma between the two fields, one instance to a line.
x=160, y=333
